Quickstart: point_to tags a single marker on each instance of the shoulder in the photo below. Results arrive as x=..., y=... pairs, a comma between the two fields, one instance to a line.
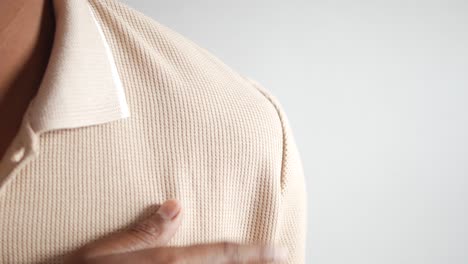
x=129, y=30
x=157, y=61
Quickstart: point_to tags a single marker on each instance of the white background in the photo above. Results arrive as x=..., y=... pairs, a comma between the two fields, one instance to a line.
x=377, y=95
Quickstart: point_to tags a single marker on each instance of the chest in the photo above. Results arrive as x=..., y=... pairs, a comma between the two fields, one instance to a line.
x=88, y=182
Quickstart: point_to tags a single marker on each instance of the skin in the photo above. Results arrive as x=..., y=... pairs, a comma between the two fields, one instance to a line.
x=26, y=36
x=146, y=242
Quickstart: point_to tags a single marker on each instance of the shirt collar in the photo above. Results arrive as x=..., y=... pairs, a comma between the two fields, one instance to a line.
x=81, y=85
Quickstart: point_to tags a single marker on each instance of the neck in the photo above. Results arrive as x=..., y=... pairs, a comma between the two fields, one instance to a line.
x=26, y=36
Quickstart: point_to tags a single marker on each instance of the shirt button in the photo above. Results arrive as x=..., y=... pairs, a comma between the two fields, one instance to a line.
x=18, y=155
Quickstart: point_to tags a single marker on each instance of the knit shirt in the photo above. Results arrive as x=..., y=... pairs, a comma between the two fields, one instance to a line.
x=130, y=113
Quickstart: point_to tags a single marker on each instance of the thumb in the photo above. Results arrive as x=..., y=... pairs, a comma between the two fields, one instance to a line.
x=153, y=231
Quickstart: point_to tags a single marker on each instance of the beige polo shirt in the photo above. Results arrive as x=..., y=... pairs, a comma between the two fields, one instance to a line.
x=131, y=113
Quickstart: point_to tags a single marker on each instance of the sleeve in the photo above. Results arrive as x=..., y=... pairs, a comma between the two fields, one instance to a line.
x=292, y=221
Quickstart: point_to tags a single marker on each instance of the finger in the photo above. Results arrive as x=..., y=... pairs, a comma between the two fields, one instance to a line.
x=215, y=253
x=153, y=231
x=229, y=252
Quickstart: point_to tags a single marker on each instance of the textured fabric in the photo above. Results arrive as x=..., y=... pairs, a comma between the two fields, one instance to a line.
x=80, y=86
x=194, y=130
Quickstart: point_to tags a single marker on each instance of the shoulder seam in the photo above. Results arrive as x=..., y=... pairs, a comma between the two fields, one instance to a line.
x=271, y=98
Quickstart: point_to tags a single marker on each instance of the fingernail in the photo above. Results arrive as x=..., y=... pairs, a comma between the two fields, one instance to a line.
x=169, y=209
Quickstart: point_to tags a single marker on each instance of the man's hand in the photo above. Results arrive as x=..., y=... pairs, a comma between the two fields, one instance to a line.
x=144, y=243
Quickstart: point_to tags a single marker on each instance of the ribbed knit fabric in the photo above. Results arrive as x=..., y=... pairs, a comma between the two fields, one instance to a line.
x=198, y=131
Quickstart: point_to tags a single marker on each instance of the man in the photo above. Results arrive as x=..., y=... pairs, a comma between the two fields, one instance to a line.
x=105, y=113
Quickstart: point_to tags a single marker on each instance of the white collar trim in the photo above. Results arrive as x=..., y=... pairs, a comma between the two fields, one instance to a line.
x=81, y=85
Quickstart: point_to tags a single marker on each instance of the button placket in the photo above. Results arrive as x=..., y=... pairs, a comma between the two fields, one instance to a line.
x=22, y=149
x=18, y=148
x=18, y=154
